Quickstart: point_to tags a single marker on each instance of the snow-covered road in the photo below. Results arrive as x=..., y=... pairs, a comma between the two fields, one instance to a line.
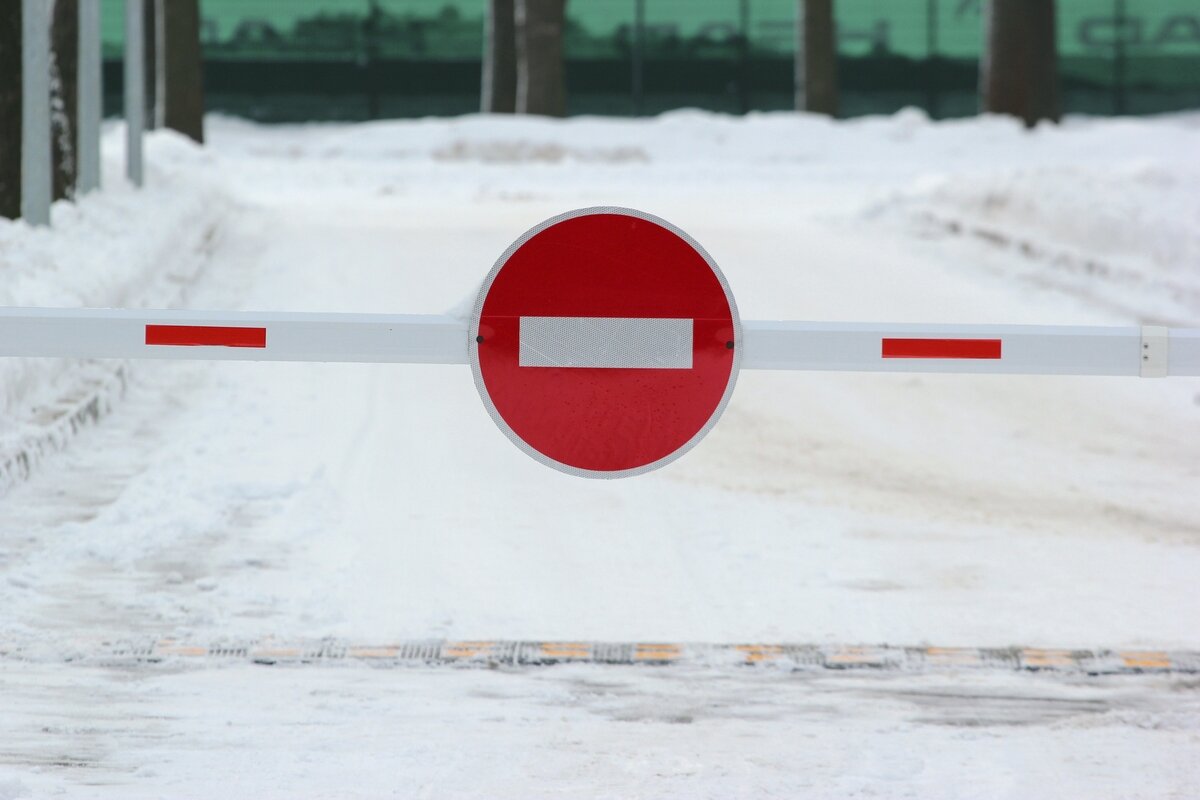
x=591, y=731
x=378, y=503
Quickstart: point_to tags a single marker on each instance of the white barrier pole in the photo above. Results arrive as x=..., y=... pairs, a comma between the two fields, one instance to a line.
x=233, y=336
x=91, y=95
x=1146, y=351
x=36, y=157
x=135, y=88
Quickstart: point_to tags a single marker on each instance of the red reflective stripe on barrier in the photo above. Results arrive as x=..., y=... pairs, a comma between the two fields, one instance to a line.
x=205, y=336
x=941, y=348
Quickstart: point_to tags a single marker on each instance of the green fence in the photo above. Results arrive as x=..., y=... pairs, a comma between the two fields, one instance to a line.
x=354, y=59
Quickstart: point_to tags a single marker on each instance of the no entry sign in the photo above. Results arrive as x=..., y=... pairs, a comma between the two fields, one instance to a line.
x=605, y=342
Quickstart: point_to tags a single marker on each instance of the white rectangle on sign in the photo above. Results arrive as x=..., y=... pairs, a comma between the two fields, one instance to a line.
x=606, y=342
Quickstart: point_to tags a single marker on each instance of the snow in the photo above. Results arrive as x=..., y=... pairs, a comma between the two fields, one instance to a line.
x=119, y=248
x=599, y=732
x=375, y=503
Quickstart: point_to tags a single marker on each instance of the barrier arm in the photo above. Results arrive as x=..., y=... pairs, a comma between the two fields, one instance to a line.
x=1146, y=351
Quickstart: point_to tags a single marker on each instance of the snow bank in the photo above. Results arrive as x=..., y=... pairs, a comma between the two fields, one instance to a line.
x=906, y=141
x=1103, y=210
x=1125, y=234
x=120, y=247
x=12, y=789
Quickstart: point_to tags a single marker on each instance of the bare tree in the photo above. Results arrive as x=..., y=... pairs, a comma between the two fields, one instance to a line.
x=184, y=79
x=820, y=56
x=10, y=108
x=499, y=94
x=64, y=106
x=541, y=84
x=1019, y=73
x=64, y=97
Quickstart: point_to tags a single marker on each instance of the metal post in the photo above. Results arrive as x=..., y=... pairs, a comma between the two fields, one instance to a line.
x=744, y=57
x=639, y=56
x=370, y=29
x=160, y=65
x=36, y=158
x=135, y=88
x=801, y=68
x=1120, y=21
x=931, y=57
x=91, y=95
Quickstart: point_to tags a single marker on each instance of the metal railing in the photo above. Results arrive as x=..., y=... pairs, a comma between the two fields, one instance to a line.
x=294, y=59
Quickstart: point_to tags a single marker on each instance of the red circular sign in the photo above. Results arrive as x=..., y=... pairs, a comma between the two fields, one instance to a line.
x=605, y=342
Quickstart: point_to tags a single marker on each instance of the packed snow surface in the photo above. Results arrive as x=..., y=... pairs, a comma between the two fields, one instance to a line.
x=378, y=502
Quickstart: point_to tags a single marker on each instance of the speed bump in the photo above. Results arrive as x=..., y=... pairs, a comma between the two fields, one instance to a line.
x=517, y=653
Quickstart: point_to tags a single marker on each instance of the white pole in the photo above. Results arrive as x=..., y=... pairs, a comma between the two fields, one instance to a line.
x=1146, y=351
x=233, y=336
x=36, y=158
x=135, y=88
x=91, y=95
x=801, y=66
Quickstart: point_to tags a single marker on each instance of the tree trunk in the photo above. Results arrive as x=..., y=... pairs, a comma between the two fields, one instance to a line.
x=64, y=97
x=499, y=95
x=541, y=85
x=150, y=37
x=184, y=80
x=820, y=57
x=10, y=108
x=1019, y=73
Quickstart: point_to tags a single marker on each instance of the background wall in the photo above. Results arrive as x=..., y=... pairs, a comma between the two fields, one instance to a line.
x=280, y=60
